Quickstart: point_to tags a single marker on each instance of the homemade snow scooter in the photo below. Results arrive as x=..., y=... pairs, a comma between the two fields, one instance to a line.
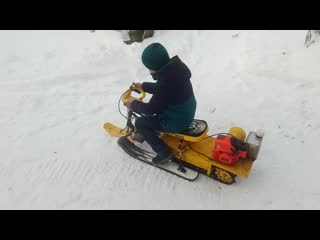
x=222, y=158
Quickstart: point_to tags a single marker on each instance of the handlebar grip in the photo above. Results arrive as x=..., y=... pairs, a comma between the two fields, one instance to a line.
x=133, y=89
x=136, y=90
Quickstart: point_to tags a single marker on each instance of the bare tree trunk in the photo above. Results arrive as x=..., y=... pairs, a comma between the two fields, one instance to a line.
x=312, y=37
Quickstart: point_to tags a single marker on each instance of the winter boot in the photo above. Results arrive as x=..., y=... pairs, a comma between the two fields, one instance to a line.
x=162, y=157
x=137, y=136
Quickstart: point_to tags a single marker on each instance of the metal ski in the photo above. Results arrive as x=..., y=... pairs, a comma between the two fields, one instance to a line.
x=142, y=155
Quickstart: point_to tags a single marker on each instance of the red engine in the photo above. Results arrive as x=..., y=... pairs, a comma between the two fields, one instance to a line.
x=229, y=150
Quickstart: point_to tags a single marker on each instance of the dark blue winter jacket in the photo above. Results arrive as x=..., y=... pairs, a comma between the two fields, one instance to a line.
x=173, y=98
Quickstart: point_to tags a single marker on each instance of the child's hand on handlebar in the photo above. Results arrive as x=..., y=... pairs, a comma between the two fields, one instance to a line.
x=137, y=85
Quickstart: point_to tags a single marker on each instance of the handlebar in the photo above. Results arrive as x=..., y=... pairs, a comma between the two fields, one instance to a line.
x=133, y=89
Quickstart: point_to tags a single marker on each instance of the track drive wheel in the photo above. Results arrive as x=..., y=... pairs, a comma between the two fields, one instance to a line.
x=223, y=176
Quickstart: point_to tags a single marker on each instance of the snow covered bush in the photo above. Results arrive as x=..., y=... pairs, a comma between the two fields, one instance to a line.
x=131, y=36
x=312, y=37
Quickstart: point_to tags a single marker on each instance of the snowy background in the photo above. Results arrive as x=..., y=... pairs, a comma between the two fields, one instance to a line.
x=58, y=88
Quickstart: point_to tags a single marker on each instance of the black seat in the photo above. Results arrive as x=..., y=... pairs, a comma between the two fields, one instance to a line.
x=196, y=128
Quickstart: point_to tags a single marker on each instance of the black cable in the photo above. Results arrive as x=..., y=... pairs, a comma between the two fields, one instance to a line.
x=198, y=152
x=215, y=135
x=126, y=117
x=204, y=139
x=119, y=105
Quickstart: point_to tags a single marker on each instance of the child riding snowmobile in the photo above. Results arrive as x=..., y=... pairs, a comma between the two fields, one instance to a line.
x=173, y=105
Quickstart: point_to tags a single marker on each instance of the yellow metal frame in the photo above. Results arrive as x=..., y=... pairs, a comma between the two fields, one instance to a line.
x=130, y=90
x=189, y=138
x=196, y=151
x=193, y=150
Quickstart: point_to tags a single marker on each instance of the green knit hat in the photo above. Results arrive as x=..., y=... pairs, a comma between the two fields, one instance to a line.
x=155, y=56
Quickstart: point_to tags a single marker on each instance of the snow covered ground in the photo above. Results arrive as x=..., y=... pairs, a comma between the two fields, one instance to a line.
x=58, y=88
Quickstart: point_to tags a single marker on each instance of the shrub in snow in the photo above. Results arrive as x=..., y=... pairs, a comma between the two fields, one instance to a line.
x=131, y=36
x=312, y=37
